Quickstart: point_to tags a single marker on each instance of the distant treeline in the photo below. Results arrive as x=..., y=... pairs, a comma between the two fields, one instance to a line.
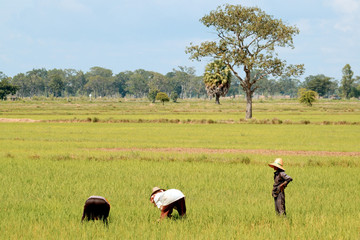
x=101, y=82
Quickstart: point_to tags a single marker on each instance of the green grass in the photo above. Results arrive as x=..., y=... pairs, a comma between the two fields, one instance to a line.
x=17, y=137
x=230, y=109
x=44, y=198
x=49, y=169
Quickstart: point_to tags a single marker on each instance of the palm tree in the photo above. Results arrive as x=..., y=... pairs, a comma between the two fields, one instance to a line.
x=217, y=79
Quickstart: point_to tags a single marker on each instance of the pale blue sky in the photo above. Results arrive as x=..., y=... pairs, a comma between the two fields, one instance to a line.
x=152, y=34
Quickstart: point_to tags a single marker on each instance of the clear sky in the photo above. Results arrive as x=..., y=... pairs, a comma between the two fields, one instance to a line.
x=152, y=34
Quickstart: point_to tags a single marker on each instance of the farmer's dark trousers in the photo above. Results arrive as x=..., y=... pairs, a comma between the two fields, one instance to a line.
x=179, y=205
x=96, y=208
x=280, y=203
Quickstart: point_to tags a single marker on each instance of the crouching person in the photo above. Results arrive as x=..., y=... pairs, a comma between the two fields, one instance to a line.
x=167, y=200
x=96, y=208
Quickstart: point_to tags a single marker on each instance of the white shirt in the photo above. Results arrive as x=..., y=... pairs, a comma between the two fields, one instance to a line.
x=167, y=197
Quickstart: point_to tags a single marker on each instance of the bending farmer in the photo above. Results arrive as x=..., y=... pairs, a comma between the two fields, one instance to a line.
x=167, y=200
x=96, y=207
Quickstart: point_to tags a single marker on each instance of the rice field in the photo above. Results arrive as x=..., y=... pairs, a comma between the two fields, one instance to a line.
x=48, y=168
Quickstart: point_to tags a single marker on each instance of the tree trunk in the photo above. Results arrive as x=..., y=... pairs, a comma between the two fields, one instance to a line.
x=248, y=105
x=217, y=100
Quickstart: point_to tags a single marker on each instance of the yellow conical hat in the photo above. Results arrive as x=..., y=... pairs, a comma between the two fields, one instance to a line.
x=277, y=163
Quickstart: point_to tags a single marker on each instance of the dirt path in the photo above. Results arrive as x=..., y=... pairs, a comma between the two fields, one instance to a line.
x=18, y=120
x=249, y=151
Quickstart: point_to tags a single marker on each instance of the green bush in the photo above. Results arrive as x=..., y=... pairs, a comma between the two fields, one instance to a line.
x=152, y=95
x=307, y=96
x=174, y=96
x=163, y=97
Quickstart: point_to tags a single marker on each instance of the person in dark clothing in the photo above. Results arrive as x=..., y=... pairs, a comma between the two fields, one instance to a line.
x=281, y=180
x=96, y=207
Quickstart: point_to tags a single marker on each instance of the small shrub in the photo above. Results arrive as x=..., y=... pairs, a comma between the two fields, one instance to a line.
x=65, y=157
x=175, y=120
x=163, y=120
x=276, y=121
x=34, y=157
x=264, y=121
x=252, y=120
x=307, y=96
x=163, y=97
x=152, y=95
x=9, y=155
x=245, y=160
x=174, y=96
x=314, y=163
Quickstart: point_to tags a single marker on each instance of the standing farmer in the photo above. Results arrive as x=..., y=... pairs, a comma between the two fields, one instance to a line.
x=281, y=180
x=167, y=200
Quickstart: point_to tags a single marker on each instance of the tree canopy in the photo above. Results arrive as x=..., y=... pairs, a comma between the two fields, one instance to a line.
x=247, y=38
x=307, y=96
x=182, y=81
x=347, y=81
x=217, y=79
x=321, y=84
x=6, y=87
x=163, y=97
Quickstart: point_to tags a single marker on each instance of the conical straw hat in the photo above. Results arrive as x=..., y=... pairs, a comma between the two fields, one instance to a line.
x=155, y=189
x=277, y=163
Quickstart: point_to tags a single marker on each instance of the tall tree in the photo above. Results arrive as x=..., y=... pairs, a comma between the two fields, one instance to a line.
x=159, y=82
x=267, y=87
x=235, y=88
x=355, y=91
x=217, y=79
x=347, y=81
x=173, y=81
x=21, y=81
x=56, y=85
x=288, y=86
x=120, y=82
x=37, y=81
x=197, y=86
x=100, y=81
x=184, y=76
x=3, y=76
x=320, y=84
x=138, y=83
x=72, y=83
x=81, y=82
x=6, y=88
x=247, y=38
x=152, y=95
